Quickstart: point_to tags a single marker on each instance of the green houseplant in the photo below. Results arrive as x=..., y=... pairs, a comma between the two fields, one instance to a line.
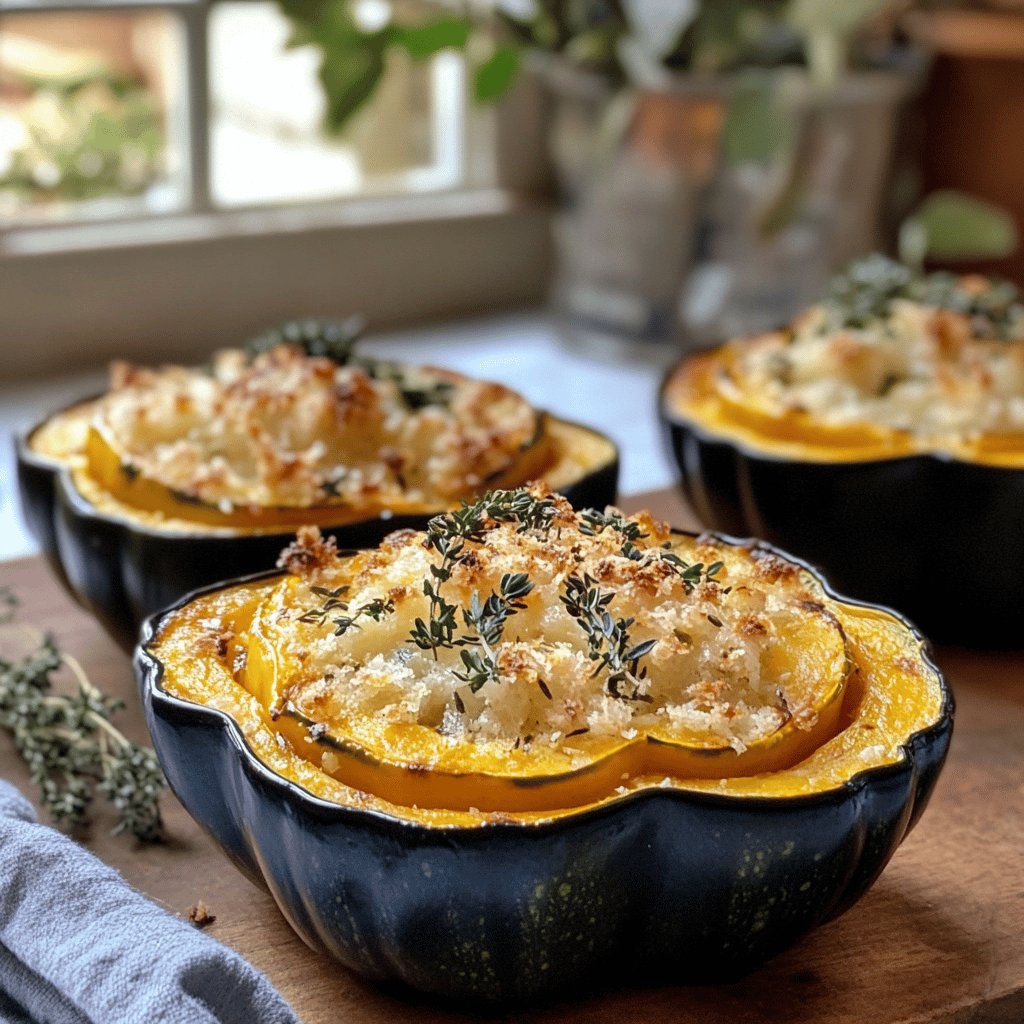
x=716, y=159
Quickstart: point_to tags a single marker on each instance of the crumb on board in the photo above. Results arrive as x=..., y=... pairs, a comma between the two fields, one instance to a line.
x=199, y=915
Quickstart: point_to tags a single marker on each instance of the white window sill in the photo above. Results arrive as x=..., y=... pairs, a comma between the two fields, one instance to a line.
x=285, y=219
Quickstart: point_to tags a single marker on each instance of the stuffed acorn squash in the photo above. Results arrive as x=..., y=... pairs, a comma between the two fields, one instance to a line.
x=880, y=436
x=178, y=477
x=530, y=750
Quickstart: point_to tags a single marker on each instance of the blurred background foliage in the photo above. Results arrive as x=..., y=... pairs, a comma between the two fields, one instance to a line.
x=641, y=42
x=83, y=136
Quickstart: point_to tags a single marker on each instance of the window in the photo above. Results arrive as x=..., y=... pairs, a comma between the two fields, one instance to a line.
x=206, y=202
x=266, y=108
x=107, y=113
x=92, y=118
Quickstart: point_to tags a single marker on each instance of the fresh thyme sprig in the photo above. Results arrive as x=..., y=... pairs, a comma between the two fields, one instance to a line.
x=333, y=600
x=441, y=630
x=865, y=291
x=448, y=535
x=488, y=624
x=608, y=638
x=472, y=520
x=375, y=609
x=69, y=743
x=337, y=340
x=416, y=393
x=331, y=485
x=332, y=339
x=691, y=573
x=597, y=522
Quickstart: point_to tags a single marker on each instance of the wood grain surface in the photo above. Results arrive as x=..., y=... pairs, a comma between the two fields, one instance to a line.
x=940, y=937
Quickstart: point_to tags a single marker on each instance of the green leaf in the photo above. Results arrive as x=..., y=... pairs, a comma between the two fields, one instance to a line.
x=425, y=40
x=757, y=127
x=912, y=244
x=350, y=76
x=828, y=27
x=959, y=226
x=494, y=77
x=313, y=11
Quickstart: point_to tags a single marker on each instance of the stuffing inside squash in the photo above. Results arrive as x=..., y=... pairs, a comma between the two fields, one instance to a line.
x=887, y=365
x=279, y=437
x=519, y=658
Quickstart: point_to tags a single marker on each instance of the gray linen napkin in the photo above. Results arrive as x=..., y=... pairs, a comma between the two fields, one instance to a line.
x=78, y=945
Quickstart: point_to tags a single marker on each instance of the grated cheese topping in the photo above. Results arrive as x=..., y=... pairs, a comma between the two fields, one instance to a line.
x=286, y=428
x=710, y=620
x=914, y=366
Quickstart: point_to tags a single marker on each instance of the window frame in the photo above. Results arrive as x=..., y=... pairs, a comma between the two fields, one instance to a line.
x=500, y=208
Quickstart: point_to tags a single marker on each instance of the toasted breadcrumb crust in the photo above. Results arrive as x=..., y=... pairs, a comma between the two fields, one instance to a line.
x=285, y=428
x=707, y=672
x=309, y=554
x=919, y=369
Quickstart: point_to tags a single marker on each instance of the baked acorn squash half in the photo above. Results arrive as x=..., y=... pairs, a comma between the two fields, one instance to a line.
x=179, y=477
x=530, y=751
x=880, y=436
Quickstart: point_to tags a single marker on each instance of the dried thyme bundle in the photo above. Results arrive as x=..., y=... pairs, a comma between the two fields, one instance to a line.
x=67, y=740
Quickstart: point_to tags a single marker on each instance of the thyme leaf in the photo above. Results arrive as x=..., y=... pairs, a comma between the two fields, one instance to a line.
x=331, y=339
x=337, y=340
x=691, y=573
x=416, y=389
x=331, y=485
x=332, y=600
x=865, y=291
x=448, y=535
x=488, y=623
x=440, y=632
x=375, y=609
x=595, y=522
x=608, y=639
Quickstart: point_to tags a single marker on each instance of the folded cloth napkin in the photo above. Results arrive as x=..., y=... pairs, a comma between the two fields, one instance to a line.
x=78, y=945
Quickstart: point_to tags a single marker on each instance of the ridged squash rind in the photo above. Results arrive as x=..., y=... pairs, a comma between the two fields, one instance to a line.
x=660, y=885
x=936, y=536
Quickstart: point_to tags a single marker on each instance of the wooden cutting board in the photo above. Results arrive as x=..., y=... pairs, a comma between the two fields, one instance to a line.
x=940, y=937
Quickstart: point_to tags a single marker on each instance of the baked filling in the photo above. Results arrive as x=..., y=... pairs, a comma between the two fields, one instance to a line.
x=521, y=657
x=519, y=660
x=295, y=433
x=887, y=358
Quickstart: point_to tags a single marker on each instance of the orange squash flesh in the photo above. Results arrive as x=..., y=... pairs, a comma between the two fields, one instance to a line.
x=112, y=469
x=561, y=453
x=407, y=763
x=891, y=693
x=411, y=763
x=702, y=390
x=881, y=689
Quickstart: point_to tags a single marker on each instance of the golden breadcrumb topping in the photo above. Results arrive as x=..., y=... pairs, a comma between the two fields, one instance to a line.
x=286, y=428
x=917, y=367
x=520, y=621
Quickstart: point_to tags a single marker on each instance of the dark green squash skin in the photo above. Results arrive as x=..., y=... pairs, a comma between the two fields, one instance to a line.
x=121, y=571
x=938, y=538
x=661, y=886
